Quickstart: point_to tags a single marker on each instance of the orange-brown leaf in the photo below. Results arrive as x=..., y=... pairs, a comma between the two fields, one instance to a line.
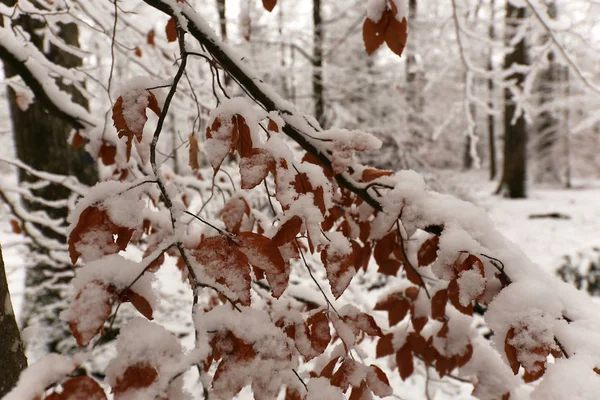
x=254, y=169
x=233, y=213
x=194, y=150
x=320, y=334
x=428, y=251
x=272, y=126
x=137, y=376
x=438, y=304
x=396, y=305
x=404, y=360
x=78, y=141
x=150, y=37
x=88, y=312
x=288, y=231
x=81, y=387
x=327, y=371
x=223, y=261
x=374, y=32
x=15, y=226
x=511, y=351
x=375, y=378
x=385, y=346
x=171, y=30
x=139, y=302
x=370, y=174
x=396, y=33
x=269, y=4
x=265, y=255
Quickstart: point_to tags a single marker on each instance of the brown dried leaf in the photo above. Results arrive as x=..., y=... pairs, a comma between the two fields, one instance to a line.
x=265, y=255
x=438, y=304
x=511, y=352
x=223, y=261
x=80, y=387
x=428, y=251
x=396, y=34
x=385, y=346
x=269, y=4
x=319, y=333
x=374, y=33
x=370, y=174
x=396, y=305
x=171, y=30
x=88, y=312
x=288, y=231
x=404, y=360
x=137, y=376
x=194, y=150
x=139, y=302
x=233, y=213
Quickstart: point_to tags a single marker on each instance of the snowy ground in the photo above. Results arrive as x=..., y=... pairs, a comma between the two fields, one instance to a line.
x=545, y=240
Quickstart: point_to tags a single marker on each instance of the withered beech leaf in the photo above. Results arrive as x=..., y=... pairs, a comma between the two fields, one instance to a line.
x=385, y=346
x=288, y=231
x=396, y=34
x=88, y=312
x=428, y=251
x=404, y=360
x=194, y=150
x=136, y=376
x=80, y=387
x=233, y=213
x=511, y=351
x=320, y=335
x=265, y=255
x=171, y=30
x=396, y=305
x=222, y=260
x=139, y=302
x=374, y=34
x=438, y=304
x=370, y=174
x=269, y=5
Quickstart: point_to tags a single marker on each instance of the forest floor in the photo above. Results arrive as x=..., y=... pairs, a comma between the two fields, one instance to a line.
x=546, y=240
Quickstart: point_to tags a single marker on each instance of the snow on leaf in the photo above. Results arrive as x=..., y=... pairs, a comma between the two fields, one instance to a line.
x=233, y=213
x=254, y=168
x=320, y=336
x=88, y=312
x=222, y=260
x=137, y=376
x=378, y=381
x=339, y=265
x=80, y=387
x=95, y=228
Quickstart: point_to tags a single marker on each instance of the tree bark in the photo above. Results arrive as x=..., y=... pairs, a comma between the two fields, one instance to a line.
x=414, y=83
x=41, y=141
x=12, y=351
x=491, y=119
x=222, y=10
x=317, y=75
x=514, y=174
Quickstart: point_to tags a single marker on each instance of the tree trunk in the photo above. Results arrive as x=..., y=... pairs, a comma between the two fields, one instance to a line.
x=491, y=119
x=514, y=174
x=549, y=125
x=41, y=141
x=414, y=83
x=12, y=351
x=317, y=74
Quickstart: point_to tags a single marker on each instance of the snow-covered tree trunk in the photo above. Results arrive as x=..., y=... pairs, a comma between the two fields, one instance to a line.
x=12, y=353
x=41, y=141
x=514, y=174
